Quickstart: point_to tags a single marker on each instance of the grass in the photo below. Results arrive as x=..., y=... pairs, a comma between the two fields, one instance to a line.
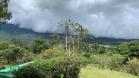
x=91, y=72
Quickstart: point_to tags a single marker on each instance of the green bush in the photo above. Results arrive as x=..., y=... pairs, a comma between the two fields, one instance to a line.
x=132, y=66
x=112, y=62
x=83, y=60
x=38, y=46
x=115, y=62
x=16, y=54
x=100, y=60
x=28, y=72
x=58, y=51
x=130, y=49
x=52, y=53
x=60, y=67
x=3, y=45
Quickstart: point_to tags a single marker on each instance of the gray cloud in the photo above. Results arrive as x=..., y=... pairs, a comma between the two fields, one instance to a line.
x=109, y=18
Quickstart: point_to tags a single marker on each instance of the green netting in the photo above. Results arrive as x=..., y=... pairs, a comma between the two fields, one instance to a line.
x=8, y=72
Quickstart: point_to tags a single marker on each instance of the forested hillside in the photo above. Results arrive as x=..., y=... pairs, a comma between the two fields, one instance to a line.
x=11, y=30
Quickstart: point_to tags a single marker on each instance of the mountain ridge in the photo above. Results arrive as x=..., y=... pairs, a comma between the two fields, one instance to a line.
x=14, y=30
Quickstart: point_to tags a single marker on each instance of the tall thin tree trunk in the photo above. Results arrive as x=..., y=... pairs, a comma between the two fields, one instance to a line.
x=66, y=43
x=78, y=42
x=69, y=50
x=73, y=44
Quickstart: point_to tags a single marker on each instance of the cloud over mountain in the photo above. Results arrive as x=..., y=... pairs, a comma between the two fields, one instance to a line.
x=109, y=18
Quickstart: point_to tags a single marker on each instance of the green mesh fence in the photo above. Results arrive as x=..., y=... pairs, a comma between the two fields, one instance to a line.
x=8, y=72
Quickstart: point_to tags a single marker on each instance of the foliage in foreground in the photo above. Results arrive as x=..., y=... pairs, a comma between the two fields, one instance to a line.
x=60, y=67
x=132, y=66
x=4, y=12
x=112, y=62
x=91, y=72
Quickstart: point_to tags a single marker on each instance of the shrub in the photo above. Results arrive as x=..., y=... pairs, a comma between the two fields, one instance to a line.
x=112, y=62
x=87, y=54
x=115, y=62
x=28, y=72
x=38, y=46
x=52, y=53
x=132, y=66
x=60, y=67
x=17, y=41
x=100, y=60
x=15, y=54
x=83, y=60
x=3, y=45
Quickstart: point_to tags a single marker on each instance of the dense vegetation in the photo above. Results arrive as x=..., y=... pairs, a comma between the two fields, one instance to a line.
x=64, y=56
x=51, y=58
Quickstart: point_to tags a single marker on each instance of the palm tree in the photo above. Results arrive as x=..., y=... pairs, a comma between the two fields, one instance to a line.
x=81, y=33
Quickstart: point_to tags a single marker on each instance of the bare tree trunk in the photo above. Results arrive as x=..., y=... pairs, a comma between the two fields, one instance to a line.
x=66, y=43
x=78, y=42
x=69, y=50
x=73, y=45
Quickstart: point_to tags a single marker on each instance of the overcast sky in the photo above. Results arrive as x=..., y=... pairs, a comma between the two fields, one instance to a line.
x=105, y=18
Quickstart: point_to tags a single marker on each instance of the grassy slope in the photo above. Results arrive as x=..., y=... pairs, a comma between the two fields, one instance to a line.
x=90, y=72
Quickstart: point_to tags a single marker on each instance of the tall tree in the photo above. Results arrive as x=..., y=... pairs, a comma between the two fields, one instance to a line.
x=81, y=33
x=5, y=14
x=74, y=32
x=13, y=53
x=39, y=45
x=73, y=35
x=67, y=28
x=54, y=39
